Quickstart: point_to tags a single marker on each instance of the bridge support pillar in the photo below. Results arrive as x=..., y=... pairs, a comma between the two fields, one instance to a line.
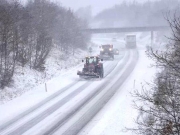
x=152, y=38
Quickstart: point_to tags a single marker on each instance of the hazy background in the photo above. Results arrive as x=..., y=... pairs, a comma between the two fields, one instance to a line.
x=97, y=5
x=120, y=13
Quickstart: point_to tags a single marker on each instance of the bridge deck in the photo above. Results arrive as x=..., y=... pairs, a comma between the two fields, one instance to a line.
x=126, y=29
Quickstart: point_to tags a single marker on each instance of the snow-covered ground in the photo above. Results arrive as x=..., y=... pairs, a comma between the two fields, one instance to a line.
x=30, y=87
x=26, y=79
x=37, y=94
x=27, y=101
x=117, y=114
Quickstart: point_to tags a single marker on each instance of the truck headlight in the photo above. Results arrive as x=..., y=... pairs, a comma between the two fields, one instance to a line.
x=110, y=49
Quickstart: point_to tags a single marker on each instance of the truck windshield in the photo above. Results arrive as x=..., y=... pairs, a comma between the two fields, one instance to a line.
x=91, y=60
x=131, y=38
x=106, y=46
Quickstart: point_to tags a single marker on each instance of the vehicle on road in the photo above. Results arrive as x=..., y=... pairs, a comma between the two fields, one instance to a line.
x=93, y=68
x=114, y=39
x=116, y=51
x=90, y=49
x=106, y=52
x=130, y=41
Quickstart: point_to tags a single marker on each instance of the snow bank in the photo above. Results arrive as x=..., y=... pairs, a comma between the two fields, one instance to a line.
x=26, y=79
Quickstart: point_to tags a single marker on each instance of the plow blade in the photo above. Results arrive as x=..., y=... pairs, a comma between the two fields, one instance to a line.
x=88, y=75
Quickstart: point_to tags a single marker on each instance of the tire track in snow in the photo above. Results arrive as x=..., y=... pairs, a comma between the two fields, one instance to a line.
x=35, y=120
x=60, y=123
x=75, y=128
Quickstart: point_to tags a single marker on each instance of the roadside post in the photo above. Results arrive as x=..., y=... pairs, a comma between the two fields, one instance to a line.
x=134, y=84
x=45, y=81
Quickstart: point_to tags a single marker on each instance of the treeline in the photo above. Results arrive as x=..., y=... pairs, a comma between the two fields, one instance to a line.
x=28, y=33
x=150, y=13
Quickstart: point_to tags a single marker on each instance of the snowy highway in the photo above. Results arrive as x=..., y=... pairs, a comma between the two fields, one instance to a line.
x=71, y=108
x=88, y=67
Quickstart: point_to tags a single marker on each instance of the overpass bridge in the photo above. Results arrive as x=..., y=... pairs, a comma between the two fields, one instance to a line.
x=128, y=29
x=125, y=29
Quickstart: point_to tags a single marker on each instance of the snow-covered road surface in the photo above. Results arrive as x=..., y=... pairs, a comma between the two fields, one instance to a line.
x=54, y=112
x=101, y=97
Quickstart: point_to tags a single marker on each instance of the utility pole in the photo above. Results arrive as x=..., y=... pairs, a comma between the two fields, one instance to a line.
x=152, y=38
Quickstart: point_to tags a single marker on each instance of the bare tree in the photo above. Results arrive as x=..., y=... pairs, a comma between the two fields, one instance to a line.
x=8, y=44
x=160, y=105
x=27, y=34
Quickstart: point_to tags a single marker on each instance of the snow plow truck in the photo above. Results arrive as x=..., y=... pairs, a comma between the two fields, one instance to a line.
x=106, y=52
x=93, y=68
